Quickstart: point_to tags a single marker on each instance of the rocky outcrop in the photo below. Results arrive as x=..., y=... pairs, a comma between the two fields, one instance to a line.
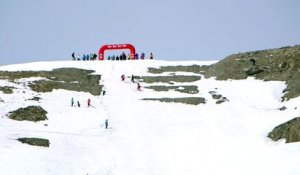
x=290, y=131
x=282, y=64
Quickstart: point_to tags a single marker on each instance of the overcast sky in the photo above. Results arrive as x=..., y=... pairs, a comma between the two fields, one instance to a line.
x=39, y=30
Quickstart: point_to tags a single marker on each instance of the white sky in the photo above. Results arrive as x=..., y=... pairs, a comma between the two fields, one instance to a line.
x=34, y=30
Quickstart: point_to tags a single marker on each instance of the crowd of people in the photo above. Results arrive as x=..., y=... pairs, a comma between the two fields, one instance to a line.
x=123, y=56
x=84, y=57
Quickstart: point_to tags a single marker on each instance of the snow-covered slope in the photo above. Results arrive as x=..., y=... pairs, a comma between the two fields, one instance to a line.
x=146, y=137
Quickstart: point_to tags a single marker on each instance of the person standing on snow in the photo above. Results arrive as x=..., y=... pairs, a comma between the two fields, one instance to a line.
x=78, y=104
x=106, y=123
x=138, y=87
x=123, y=77
x=73, y=56
x=72, y=101
x=78, y=57
x=136, y=56
x=89, y=102
x=132, y=78
x=151, y=56
x=143, y=56
x=95, y=56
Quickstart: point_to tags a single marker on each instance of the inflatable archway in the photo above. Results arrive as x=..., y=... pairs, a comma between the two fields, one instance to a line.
x=116, y=47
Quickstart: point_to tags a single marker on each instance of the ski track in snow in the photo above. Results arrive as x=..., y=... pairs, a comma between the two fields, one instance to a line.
x=148, y=137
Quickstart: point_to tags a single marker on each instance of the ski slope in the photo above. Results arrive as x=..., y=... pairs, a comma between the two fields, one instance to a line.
x=148, y=137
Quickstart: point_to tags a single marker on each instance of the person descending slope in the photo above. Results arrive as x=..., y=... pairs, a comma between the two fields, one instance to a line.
x=123, y=77
x=78, y=104
x=89, y=102
x=72, y=101
x=132, y=78
x=138, y=87
x=106, y=123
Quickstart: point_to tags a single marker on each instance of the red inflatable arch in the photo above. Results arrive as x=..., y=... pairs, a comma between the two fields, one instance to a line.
x=116, y=47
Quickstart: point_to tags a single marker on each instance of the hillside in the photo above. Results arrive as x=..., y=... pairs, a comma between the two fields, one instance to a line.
x=282, y=64
x=179, y=123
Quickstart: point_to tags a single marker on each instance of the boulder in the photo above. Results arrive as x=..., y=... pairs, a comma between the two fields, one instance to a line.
x=290, y=131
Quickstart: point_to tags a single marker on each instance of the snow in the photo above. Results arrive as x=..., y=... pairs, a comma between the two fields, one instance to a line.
x=148, y=137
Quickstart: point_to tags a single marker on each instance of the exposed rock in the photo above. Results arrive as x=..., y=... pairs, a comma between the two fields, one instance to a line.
x=35, y=141
x=253, y=70
x=185, y=100
x=290, y=131
x=216, y=96
x=179, y=68
x=7, y=89
x=222, y=100
x=30, y=113
x=282, y=108
x=168, y=79
x=282, y=64
x=190, y=89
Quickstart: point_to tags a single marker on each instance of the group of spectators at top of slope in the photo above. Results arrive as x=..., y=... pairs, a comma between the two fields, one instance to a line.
x=84, y=57
x=123, y=56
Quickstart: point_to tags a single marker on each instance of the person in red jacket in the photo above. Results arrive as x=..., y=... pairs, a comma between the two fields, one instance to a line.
x=89, y=102
x=138, y=87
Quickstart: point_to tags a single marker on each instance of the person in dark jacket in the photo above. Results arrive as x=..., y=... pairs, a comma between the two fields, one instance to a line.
x=73, y=56
x=123, y=77
x=151, y=56
x=143, y=56
x=95, y=56
x=72, y=101
x=106, y=123
x=132, y=78
x=136, y=56
x=78, y=104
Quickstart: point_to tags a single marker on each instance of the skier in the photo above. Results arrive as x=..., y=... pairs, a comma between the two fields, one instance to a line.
x=78, y=104
x=138, y=87
x=89, y=102
x=73, y=56
x=103, y=93
x=72, y=101
x=106, y=123
x=132, y=78
x=123, y=77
